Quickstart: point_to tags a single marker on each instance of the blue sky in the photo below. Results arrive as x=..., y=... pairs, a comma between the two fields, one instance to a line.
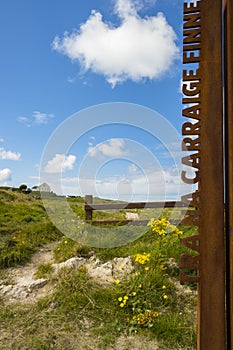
x=60, y=58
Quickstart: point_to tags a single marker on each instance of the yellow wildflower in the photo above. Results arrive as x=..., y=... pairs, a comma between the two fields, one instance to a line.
x=147, y=316
x=163, y=227
x=142, y=258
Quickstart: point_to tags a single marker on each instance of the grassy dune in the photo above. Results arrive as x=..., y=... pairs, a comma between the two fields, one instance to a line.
x=144, y=308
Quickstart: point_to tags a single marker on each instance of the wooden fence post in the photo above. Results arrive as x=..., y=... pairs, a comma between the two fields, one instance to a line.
x=88, y=212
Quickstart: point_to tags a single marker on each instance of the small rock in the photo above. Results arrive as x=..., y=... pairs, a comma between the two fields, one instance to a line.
x=90, y=253
x=105, y=269
x=72, y=263
x=5, y=289
x=37, y=284
x=107, y=265
x=122, y=266
x=131, y=216
x=53, y=305
x=20, y=292
x=96, y=263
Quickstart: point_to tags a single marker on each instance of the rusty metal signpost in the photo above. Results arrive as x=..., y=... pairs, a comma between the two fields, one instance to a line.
x=228, y=30
x=207, y=28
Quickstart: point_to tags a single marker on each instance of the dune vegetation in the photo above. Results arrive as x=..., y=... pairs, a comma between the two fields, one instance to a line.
x=144, y=309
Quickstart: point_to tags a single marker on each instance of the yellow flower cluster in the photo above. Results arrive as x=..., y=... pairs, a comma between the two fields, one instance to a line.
x=142, y=258
x=147, y=316
x=163, y=227
x=123, y=300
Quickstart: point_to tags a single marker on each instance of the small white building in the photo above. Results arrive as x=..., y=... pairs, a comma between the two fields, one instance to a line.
x=42, y=188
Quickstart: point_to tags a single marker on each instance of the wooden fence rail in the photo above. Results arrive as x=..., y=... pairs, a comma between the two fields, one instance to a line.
x=90, y=206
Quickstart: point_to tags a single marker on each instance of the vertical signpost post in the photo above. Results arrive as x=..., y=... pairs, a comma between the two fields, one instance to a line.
x=211, y=333
x=203, y=137
x=228, y=26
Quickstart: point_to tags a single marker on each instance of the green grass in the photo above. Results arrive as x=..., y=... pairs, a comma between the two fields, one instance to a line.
x=82, y=311
x=24, y=227
x=44, y=271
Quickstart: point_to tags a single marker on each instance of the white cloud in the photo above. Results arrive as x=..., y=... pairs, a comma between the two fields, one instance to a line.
x=126, y=8
x=42, y=118
x=36, y=118
x=171, y=151
x=138, y=48
x=111, y=148
x=71, y=80
x=24, y=120
x=91, y=142
x=9, y=155
x=60, y=163
x=133, y=168
x=191, y=1
x=5, y=175
x=150, y=185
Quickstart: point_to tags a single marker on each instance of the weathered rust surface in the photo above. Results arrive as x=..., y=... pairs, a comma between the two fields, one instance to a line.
x=228, y=20
x=211, y=323
x=203, y=138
